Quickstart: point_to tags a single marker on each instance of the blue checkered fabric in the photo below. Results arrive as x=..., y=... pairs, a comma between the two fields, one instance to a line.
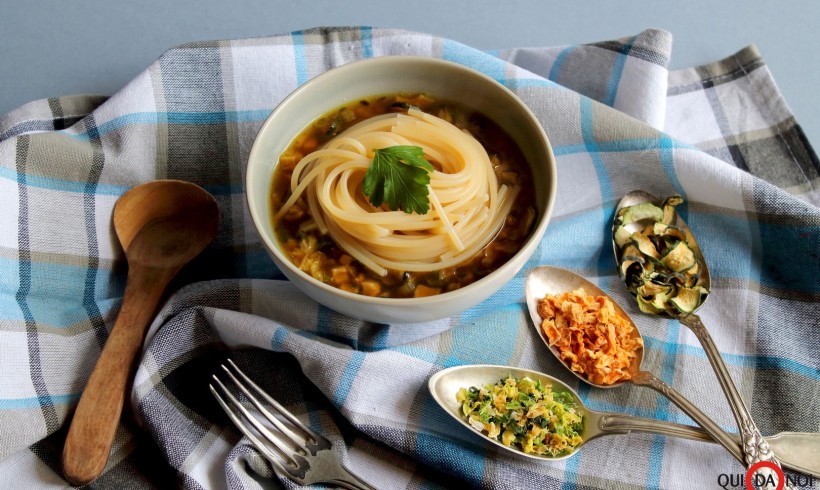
x=721, y=135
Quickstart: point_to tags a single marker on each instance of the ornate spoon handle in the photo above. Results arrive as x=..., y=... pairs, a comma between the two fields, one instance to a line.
x=798, y=451
x=615, y=423
x=645, y=378
x=755, y=448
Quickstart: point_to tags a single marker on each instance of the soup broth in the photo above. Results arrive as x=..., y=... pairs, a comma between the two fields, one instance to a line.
x=319, y=256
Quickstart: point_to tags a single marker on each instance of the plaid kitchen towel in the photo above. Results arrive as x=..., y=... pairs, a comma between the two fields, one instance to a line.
x=720, y=135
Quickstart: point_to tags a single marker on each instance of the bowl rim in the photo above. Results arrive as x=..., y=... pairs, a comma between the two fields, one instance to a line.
x=530, y=244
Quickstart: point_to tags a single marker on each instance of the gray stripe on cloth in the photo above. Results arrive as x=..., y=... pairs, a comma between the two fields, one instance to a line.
x=725, y=129
x=50, y=418
x=56, y=112
x=27, y=127
x=775, y=161
x=233, y=214
x=710, y=79
x=38, y=116
x=90, y=216
x=628, y=48
x=726, y=70
x=192, y=83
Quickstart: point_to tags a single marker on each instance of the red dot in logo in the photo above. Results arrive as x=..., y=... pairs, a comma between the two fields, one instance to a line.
x=781, y=478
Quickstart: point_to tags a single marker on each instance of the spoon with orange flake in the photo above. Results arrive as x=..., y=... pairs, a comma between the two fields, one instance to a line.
x=545, y=280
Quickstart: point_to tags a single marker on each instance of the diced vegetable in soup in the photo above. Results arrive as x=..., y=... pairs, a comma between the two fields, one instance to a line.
x=421, y=244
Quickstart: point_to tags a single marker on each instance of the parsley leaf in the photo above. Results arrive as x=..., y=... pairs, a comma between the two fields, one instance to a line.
x=399, y=176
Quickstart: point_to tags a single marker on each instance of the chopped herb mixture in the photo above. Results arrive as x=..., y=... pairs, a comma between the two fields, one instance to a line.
x=524, y=413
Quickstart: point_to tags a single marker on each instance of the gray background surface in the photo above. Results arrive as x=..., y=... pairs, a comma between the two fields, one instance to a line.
x=58, y=47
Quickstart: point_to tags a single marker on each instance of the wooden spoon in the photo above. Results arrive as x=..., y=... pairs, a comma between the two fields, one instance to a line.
x=161, y=225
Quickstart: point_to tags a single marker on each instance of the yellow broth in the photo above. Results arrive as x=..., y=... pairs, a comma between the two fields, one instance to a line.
x=320, y=257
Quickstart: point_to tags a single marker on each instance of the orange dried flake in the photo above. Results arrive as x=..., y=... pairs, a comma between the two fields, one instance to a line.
x=590, y=335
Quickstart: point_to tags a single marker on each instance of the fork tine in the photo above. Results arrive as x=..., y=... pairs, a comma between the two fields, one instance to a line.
x=302, y=459
x=313, y=441
x=264, y=431
x=294, y=440
x=273, y=458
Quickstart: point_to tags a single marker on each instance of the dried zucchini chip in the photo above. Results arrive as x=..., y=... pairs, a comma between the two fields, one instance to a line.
x=657, y=263
x=640, y=212
x=669, y=216
x=679, y=257
x=688, y=300
x=647, y=306
x=622, y=236
x=651, y=289
x=646, y=246
x=668, y=231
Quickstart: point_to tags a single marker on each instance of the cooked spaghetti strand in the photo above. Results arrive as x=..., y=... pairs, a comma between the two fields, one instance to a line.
x=468, y=204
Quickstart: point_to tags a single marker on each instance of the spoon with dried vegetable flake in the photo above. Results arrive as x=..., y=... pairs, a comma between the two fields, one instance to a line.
x=446, y=384
x=580, y=356
x=663, y=267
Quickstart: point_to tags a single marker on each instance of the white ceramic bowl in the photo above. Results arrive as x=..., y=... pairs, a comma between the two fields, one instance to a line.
x=385, y=75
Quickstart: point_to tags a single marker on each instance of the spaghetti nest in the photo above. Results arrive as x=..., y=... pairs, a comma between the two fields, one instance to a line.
x=467, y=205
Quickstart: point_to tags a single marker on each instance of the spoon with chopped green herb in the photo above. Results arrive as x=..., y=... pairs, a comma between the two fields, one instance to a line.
x=532, y=414
x=537, y=416
x=663, y=266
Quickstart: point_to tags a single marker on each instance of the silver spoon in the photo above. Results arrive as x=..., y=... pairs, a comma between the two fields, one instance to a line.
x=553, y=280
x=755, y=447
x=445, y=384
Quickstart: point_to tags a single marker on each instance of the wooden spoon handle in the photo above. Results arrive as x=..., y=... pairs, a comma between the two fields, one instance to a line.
x=95, y=421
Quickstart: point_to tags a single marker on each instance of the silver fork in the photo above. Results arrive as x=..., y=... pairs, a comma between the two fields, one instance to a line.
x=305, y=458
